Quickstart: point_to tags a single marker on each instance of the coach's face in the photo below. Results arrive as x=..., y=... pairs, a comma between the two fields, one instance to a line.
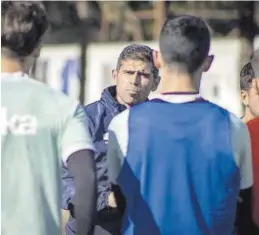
x=134, y=80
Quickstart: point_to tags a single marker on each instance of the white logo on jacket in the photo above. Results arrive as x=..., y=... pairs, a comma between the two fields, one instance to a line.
x=106, y=137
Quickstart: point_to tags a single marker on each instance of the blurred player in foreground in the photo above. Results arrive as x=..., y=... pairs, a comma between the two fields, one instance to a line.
x=180, y=160
x=39, y=128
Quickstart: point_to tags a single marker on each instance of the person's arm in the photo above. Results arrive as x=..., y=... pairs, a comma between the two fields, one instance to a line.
x=242, y=150
x=77, y=154
x=114, y=159
x=244, y=219
x=243, y=157
x=117, y=147
x=104, y=188
x=68, y=187
x=107, y=209
x=82, y=169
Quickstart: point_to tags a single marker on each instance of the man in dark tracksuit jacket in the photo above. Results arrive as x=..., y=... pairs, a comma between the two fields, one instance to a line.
x=100, y=114
x=135, y=76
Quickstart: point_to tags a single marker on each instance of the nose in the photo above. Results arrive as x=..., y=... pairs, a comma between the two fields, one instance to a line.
x=135, y=79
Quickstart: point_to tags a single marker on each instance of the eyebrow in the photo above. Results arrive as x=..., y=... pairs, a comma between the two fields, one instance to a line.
x=141, y=72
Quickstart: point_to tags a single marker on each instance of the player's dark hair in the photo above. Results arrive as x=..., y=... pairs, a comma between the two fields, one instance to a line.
x=184, y=42
x=246, y=77
x=137, y=52
x=22, y=27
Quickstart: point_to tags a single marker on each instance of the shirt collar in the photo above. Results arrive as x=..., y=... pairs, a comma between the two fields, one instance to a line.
x=178, y=97
x=13, y=76
x=109, y=98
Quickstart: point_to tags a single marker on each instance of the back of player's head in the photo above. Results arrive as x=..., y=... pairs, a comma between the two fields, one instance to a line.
x=23, y=25
x=184, y=42
x=249, y=72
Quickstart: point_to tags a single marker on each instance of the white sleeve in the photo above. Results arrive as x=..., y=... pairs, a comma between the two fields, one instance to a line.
x=75, y=135
x=242, y=150
x=117, y=144
x=113, y=160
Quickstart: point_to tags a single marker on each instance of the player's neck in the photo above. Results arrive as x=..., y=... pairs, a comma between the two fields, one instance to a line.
x=10, y=65
x=176, y=82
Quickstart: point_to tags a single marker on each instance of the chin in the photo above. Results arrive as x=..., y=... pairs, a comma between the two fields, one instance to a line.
x=131, y=102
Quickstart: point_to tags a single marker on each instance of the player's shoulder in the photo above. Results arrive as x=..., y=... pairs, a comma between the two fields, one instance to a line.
x=239, y=135
x=238, y=128
x=119, y=120
x=46, y=89
x=237, y=125
x=54, y=99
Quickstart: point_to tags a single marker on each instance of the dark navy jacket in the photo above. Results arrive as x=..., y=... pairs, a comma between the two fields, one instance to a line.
x=100, y=114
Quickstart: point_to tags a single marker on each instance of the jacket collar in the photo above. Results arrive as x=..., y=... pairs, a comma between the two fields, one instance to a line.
x=109, y=98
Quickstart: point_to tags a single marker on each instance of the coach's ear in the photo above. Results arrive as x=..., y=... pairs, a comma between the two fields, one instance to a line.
x=155, y=83
x=156, y=58
x=208, y=63
x=114, y=74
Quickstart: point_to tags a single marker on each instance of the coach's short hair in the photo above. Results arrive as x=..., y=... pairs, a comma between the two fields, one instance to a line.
x=137, y=52
x=250, y=71
x=23, y=25
x=184, y=41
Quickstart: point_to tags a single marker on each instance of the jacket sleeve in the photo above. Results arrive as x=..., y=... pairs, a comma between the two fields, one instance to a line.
x=68, y=188
x=105, y=212
x=104, y=188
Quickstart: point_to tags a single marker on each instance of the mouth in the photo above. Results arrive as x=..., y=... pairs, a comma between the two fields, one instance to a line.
x=133, y=92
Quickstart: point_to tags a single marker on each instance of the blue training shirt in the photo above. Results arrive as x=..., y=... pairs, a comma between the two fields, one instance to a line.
x=180, y=171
